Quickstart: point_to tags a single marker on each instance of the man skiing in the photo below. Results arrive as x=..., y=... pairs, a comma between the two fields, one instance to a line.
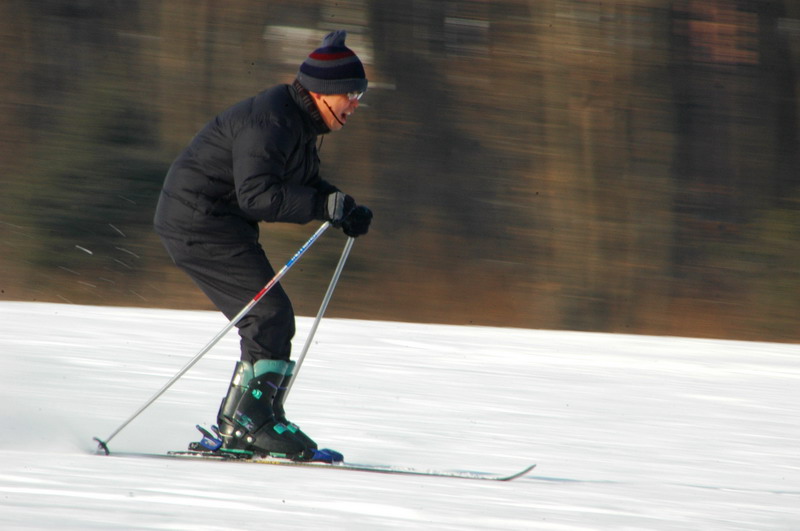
x=257, y=161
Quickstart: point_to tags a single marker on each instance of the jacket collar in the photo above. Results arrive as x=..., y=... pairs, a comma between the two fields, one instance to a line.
x=303, y=98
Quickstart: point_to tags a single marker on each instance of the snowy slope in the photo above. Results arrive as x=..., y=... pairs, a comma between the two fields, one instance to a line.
x=628, y=432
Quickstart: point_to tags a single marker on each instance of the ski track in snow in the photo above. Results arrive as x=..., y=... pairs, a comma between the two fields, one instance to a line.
x=629, y=432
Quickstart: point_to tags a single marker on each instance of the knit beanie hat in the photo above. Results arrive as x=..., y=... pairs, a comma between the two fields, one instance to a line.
x=333, y=69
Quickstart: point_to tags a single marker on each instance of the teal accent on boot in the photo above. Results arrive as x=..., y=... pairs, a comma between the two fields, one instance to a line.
x=235, y=452
x=257, y=393
x=264, y=366
x=279, y=428
x=246, y=422
x=289, y=370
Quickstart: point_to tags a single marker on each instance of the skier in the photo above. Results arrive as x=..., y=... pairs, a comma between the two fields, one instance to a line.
x=257, y=161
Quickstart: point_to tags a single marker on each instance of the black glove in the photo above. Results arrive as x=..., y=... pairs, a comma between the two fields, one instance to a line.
x=338, y=206
x=356, y=223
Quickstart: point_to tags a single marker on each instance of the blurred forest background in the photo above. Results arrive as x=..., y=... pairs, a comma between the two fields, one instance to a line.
x=626, y=166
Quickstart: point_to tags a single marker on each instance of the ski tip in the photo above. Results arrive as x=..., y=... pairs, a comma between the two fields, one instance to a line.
x=101, y=446
x=518, y=474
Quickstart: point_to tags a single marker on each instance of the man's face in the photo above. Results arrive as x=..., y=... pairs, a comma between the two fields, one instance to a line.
x=335, y=109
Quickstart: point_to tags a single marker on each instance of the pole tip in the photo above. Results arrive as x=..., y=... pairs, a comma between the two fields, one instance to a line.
x=101, y=446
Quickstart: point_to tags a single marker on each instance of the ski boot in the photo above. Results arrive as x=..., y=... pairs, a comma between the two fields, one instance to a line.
x=280, y=413
x=242, y=375
x=251, y=417
x=316, y=454
x=255, y=427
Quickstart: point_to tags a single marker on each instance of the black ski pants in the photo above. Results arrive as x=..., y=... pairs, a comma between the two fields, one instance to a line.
x=231, y=275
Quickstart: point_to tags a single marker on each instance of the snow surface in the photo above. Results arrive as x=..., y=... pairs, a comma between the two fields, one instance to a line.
x=629, y=432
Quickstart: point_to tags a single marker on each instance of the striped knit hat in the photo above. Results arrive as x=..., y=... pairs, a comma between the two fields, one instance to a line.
x=333, y=69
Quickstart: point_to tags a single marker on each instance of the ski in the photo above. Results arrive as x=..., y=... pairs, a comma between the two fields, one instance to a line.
x=247, y=457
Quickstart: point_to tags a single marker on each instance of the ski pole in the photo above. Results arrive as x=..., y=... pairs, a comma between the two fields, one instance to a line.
x=322, y=308
x=103, y=444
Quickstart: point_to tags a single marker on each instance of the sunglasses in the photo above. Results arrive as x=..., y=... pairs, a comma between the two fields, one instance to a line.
x=353, y=96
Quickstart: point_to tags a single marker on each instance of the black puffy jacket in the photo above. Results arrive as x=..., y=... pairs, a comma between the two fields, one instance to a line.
x=256, y=161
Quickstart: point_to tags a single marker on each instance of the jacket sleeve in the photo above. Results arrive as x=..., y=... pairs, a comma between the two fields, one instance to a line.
x=261, y=149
